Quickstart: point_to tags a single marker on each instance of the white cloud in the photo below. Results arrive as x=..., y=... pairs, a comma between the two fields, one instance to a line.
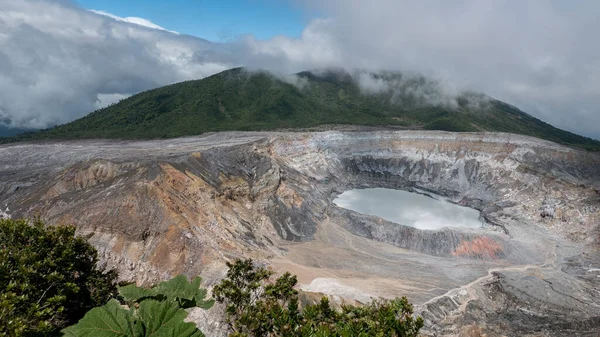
x=104, y=100
x=541, y=56
x=132, y=19
x=406, y=86
x=58, y=61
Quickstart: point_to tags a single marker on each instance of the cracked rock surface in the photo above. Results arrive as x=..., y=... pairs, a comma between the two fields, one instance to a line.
x=159, y=208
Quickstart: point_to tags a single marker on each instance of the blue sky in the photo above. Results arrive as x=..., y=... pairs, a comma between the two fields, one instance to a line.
x=214, y=20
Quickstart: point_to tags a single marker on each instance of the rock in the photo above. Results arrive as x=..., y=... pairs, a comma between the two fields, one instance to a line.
x=548, y=209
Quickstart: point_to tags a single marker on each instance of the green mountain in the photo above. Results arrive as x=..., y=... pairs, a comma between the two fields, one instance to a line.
x=238, y=99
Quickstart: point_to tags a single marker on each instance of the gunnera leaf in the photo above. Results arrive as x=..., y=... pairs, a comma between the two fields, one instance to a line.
x=165, y=319
x=133, y=293
x=187, y=294
x=199, y=298
x=201, y=303
x=109, y=320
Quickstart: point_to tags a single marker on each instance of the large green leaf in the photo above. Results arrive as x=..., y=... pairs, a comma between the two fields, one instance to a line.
x=200, y=296
x=187, y=294
x=165, y=319
x=109, y=320
x=133, y=293
x=201, y=303
x=179, y=287
x=154, y=318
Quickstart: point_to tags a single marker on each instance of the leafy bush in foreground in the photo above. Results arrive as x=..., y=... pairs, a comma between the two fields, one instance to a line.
x=158, y=311
x=48, y=278
x=256, y=307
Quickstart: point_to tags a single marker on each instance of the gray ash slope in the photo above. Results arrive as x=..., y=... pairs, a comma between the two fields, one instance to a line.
x=157, y=208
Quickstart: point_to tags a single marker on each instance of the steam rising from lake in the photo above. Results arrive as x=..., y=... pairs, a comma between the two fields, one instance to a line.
x=410, y=209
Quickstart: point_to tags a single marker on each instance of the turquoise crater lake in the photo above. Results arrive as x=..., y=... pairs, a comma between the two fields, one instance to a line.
x=410, y=209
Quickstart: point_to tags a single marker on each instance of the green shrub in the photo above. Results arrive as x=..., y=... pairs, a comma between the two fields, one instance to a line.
x=256, y=307
x=48, y=278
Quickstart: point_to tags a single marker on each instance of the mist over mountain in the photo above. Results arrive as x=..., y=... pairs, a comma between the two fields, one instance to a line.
x=241, y=99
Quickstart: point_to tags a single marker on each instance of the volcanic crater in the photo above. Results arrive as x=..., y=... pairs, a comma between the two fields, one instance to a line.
x=158, y=208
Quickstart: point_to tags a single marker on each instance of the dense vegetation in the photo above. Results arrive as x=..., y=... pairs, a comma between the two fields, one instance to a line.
x=48, y=278
x=241, y=100
x=157, y=311
x=257, y=307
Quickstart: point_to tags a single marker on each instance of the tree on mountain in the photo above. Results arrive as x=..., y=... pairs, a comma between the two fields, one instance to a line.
x=48, y=278
x=257, y=306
